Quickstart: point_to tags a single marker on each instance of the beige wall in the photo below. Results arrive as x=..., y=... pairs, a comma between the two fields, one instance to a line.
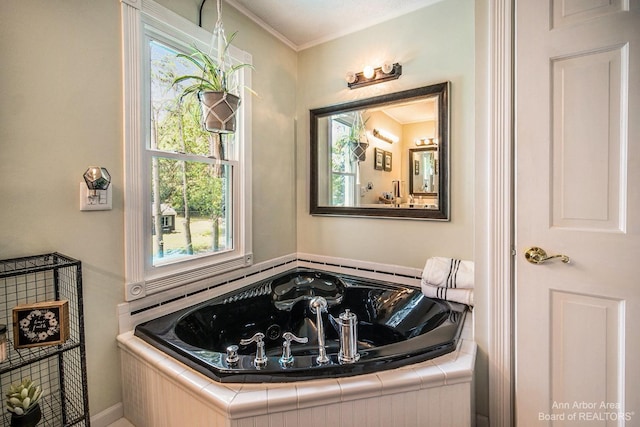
x=61, y=111
x=433, y=45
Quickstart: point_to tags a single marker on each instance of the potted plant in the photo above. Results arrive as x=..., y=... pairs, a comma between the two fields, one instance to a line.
x=22, y=402
x=214, y=87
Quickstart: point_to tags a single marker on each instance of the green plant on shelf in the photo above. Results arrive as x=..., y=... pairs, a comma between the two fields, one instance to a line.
x=23, y=397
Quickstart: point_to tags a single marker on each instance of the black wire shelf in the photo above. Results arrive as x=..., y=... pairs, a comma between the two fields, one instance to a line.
x=60, y=369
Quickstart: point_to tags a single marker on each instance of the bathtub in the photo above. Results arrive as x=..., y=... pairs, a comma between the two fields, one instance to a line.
x=164, y=386
x=396, y=326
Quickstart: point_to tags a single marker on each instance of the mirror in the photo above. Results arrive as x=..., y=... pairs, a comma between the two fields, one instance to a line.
x=423, y=175
x=385, y=156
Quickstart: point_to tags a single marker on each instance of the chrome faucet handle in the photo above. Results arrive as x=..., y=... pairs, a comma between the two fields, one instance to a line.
x=232, y=355
x=287, y=359
x=261, y=357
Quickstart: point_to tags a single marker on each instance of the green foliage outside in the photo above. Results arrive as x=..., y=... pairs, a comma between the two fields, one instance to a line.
x=192, y=187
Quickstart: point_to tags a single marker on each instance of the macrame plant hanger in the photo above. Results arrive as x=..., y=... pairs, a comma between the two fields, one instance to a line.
x=219, y=45
x=359, y=146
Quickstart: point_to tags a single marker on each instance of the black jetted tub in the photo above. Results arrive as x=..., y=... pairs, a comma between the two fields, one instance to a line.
x=397, y=326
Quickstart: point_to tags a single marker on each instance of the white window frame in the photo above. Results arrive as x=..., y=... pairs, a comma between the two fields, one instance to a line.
x=350, y=196
x=139, y=18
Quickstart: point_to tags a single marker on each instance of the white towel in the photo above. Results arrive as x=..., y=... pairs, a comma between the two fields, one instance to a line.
x=463, y=296
x=448, y=273
x=448, y=279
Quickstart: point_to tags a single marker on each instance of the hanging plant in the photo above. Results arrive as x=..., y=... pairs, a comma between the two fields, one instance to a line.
x=216, y=86
x=358, y=140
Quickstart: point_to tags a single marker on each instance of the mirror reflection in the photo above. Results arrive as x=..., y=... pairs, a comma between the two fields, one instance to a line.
x=423, y=173
x=383, y=156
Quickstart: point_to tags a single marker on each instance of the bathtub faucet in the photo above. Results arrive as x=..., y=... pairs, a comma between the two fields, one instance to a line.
x=261, y=358
x=317, y=306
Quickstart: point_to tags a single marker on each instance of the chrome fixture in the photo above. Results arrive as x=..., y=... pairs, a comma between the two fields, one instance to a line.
x=369, y=75
x=232, y=355
x=261, y=358
x=347, y=326
x=287, y=359
x=317, y=306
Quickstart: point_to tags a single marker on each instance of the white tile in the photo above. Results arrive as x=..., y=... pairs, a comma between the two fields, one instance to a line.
x=192, y=380
x=399, y=380
x=248, y=404
x=282, y=398
x=467, y=347
x=218, y=395
x=317, y=392
x=360, y=387
x=430, y=374
x=170, y=367
x=457, y=372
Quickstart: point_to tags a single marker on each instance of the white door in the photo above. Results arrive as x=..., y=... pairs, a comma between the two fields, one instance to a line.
x=577, y=130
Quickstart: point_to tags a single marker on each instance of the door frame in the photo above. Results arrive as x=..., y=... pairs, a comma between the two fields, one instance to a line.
x=495, y=220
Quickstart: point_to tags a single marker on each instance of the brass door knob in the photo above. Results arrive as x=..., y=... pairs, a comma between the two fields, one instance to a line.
x=537, y=255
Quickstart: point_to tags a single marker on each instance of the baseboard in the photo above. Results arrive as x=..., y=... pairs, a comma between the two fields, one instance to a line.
x=108, y=416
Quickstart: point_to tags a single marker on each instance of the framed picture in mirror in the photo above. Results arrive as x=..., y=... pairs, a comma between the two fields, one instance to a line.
x=379, y=159
x=388, y=162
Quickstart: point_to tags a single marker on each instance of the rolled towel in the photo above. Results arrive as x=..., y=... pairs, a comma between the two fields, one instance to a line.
x=448, y=273
x=463, y=296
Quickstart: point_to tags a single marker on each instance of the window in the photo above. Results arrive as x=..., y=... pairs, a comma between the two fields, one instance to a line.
x=342, y=164
x=187, y=191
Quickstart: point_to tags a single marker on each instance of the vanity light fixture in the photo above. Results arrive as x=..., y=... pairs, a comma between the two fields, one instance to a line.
x=95, y=191
x=370, y=75
x=385, y=136
x=421, y=142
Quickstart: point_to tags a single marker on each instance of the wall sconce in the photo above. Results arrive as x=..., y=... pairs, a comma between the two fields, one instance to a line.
x=385, y=136
x=95, y=191
x=369, y=75
x=421, y=142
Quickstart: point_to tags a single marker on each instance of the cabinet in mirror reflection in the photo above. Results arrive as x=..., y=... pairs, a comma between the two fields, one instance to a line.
x=385, y=156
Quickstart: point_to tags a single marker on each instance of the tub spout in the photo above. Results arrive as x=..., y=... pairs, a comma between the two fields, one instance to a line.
x=317, y=306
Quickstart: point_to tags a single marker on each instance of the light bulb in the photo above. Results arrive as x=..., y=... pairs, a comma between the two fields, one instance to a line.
x=350, y=77
x=387, y=67
x=368, y=72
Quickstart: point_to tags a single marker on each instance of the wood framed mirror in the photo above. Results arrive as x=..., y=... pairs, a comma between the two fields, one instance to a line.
x=363, y=156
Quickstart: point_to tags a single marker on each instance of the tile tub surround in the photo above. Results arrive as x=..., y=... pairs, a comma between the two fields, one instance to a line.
x=161, y=391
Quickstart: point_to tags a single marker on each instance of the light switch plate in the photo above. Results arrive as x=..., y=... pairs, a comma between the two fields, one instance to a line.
x=100, y=202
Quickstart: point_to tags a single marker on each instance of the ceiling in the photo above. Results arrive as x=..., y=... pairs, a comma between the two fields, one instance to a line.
x=305, y=23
